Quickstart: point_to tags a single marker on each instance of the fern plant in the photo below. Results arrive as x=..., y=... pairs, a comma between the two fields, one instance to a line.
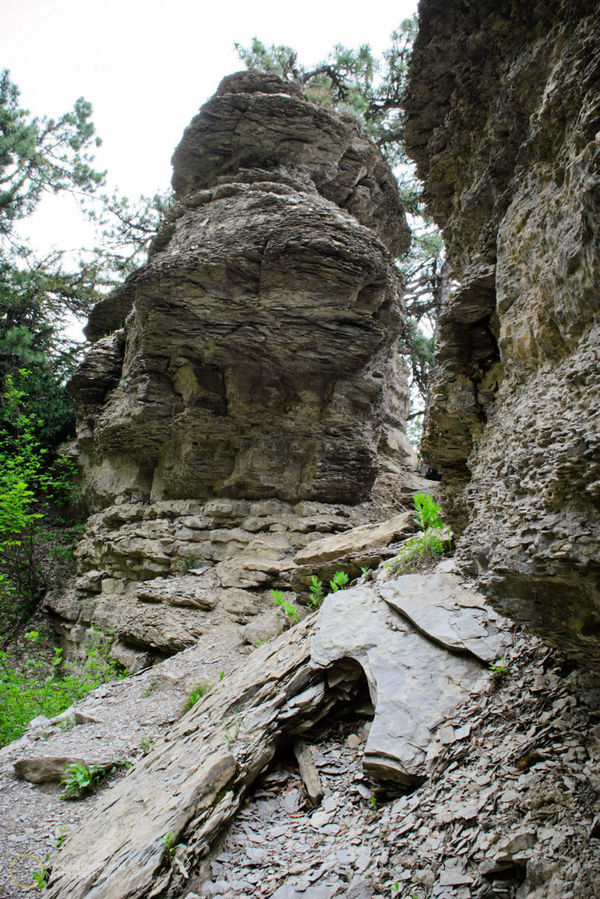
x=339, y=581
x=316, y=594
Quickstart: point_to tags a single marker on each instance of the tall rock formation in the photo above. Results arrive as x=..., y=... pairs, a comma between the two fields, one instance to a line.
x=247, y=377
x=504, y=124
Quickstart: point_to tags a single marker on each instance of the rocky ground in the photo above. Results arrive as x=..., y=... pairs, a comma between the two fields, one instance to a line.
x=508, y=808
x=130, y=715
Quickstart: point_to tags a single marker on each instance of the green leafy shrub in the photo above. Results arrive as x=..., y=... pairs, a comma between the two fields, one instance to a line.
x=278, y=597
x=38, y=686
x=427, y=512
x=30, y=485
x=196, y=694
x=413, y=552
x=435, y=540
x=80, y=781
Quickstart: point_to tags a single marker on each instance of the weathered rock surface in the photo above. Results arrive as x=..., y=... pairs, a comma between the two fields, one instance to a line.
x=350, y=550
x=244, y=393
x=193, y=783
x=414, y=684
x=257, y=350
x=159, y=575
x=523, y=757
x=51, y=769
x=503, y=123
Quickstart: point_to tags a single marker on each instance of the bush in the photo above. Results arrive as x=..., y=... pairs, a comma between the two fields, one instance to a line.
x=417, y=550
x=39, y=687
x=30, y=485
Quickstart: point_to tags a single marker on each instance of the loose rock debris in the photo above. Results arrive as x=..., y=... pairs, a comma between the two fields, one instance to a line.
x=508, y=809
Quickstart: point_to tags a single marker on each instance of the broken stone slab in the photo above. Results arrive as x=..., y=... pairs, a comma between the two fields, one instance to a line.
x=188, y=590
x=193, y=783
x=349, y=551
x=51, y=769
x=450, y=612
x=308, y=771
x=414, y=683
x=71, y=717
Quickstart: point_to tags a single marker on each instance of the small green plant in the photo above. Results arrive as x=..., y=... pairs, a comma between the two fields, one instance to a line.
x=373, y=801
x=146, y=744
x=80, y=780
x=435, y=540
x=170, y=847
x=427, y=512
x=500, y=668
x=66, y=724
x=231, y=728
x=61, y=837
x=413, y=552
x=278, y=597
x=188, y=563
x=196, y=694
x=42, y=874
x=34, y=637
x=339, y=581
x=222, y=675
x=316, y=595
x=364, y=569
x=150, y=688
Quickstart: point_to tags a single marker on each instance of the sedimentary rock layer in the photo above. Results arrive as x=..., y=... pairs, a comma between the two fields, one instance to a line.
x=503, y=121
x=244, y=393
x=254, y=355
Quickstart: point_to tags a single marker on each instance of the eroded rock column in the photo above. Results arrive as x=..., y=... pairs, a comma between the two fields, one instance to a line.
x=252, y=360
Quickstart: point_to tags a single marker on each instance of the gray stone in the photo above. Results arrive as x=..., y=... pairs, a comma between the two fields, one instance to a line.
x=50, y=769
x=413, y=681
x=445, y=609
x=194, y=783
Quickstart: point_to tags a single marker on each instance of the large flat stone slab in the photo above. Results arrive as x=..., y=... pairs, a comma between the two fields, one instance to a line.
x=193, y=782
x=414, y=682
x=450, y=612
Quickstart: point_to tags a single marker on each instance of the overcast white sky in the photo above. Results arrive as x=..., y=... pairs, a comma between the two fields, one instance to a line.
x=148, y=65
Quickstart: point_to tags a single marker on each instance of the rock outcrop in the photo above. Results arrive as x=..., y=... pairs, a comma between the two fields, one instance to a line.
x=254, y=355
x=194, y=782
x=503, y=122
x=244, y=393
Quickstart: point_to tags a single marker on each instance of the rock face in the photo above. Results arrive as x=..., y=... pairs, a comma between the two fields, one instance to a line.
x=159, y=575
x=244, y=393
x=503, y=123
x=254, y=354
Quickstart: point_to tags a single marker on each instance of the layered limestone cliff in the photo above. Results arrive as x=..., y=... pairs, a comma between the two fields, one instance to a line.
x=504, y=124
x=244, y=393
